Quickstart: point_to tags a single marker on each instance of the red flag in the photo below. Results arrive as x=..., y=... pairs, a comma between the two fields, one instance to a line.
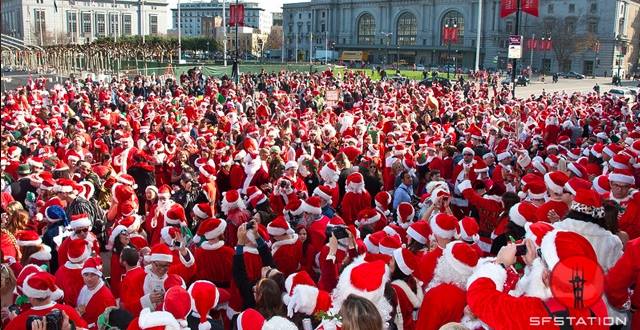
x=454, y=35
x=530, y=7
x=232, y=15
x=508, y=7
x=240, y=15
x=532, y=43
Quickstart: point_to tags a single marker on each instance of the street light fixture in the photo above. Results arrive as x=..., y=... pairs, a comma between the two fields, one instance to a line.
x=387, y=35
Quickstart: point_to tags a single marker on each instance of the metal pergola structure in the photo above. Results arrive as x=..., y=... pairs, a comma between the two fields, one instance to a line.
x=16, y=53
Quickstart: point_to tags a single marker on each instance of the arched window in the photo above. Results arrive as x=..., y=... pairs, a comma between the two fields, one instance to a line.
x=407, y=29
x=454, y=18
x=366, y=29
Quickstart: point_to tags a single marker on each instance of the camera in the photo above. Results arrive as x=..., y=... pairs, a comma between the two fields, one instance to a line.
x=521, y=250
x=283, y=184
x=54, y=320
x=340, y=232
x=250, y=225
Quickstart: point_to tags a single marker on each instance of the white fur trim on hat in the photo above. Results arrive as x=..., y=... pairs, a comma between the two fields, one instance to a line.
x=440, y=232
x=216, y=232
x=91, y=270
x=516, y=217
x=552, y=185
x=548, y=249
x=617, y=177
x=503, y=155
x=29, y=243
x=455, y=264
x=114, y=234
x=304, y=207
x=397, y=255
x=34, y=293
x=487, y=269
x=278, y=323
x=416, y=236
x=80, y=223
x=199, y=213
x=164, y=319
x=160, y=257
x=318, y=192
x=303, y=300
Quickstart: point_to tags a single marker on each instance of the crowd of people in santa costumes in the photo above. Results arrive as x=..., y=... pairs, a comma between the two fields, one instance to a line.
x=198, y=203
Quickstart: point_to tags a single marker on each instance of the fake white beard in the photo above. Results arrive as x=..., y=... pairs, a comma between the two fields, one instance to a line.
x=163, y=207
x=159, y=158
x=531, y=284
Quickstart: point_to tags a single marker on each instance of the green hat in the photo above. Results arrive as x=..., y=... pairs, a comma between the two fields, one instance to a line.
x=24, y=169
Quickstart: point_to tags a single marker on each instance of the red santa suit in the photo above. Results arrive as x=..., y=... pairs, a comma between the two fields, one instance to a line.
x=355, y=199
x=64, y=247
x=131, y=291
x=287, y=254
x=408, y=292
x=123, y=159
x=233, y=207
x=624, y=275
x=330, y=267
x=489, y=207
x=281, y=197
x=236, y=176
x=256, y=175
x=69, y=280
x=214, y=261
x=95, y=300
x=629, y=218
x=427, y=265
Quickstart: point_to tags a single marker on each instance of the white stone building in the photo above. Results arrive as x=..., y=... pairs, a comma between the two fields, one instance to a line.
x=44, y=22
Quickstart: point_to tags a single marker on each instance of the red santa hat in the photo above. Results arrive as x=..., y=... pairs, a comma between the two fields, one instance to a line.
x=204, y=297
x=536, y=231
x=202, y=211
x=250, y=319
x=123, y=193
x=93, y=265
x=394, y=230
x=212, y=228
x=601, y=184
x=372, y=240
x=355, y=183
x=405, y=260
x=295, y=279
x=559, y=245
x=78, y=251
x=382, y=200
x=555, y=181
x=255, y=196
x=578, y=170
x=534, y=190
x=620, y=161
x=14, y=152
x=367, y=216
x=469, y=229
x=39, y=285
x=177, y=301
x=612, y=149
x=444, y=225
x=160, y=252
x=364, y=279
x=279, y=226
x=231, y=200
x=405, y=213
x=294, y=207
x=159, y=320
x=576, y=183
x=624, y=176
x=329, y=172
x=175, y=215
x=419, y=231
x=389, y=244
x=312, y=205
x=588, y=202
x=324, y=192
x=522, y=213
x=127, y=180
x=28, y=238
x=461, y=257
x=165, y=191
x=79, y=221
x=308, y=300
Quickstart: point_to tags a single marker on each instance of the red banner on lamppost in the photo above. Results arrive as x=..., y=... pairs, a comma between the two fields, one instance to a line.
x=532, y=44
x=530, y=7
x=508, y=7
x=236, y=15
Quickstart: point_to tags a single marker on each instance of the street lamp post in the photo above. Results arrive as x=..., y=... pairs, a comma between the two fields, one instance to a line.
x=387, y=35
x=619, y=60
x=545, y=45
x=208, y=50
x=450, y=36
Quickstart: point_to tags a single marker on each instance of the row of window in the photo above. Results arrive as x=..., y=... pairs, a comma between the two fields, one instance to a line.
x=95, y=23
x=406, y=28
x=593, y=8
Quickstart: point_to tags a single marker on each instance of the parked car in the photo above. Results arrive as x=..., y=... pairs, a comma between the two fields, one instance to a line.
x=623, y=93
x=420, y=67
x=442, y=81
x=520, y=81
x=572, y=74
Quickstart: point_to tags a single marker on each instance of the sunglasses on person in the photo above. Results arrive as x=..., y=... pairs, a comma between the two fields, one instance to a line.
x=80, y=231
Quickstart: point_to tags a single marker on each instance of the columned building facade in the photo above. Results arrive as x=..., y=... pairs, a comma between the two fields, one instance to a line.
x=411, y=31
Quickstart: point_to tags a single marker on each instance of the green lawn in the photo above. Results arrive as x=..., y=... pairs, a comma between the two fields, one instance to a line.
x=411, y=74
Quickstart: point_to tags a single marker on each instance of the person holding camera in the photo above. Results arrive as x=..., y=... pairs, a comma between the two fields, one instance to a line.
x=44, y=312
x=339, y=248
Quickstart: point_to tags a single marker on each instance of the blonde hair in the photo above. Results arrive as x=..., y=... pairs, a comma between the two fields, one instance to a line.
x=360, y=314
x=17, y=220
x=7, y=280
